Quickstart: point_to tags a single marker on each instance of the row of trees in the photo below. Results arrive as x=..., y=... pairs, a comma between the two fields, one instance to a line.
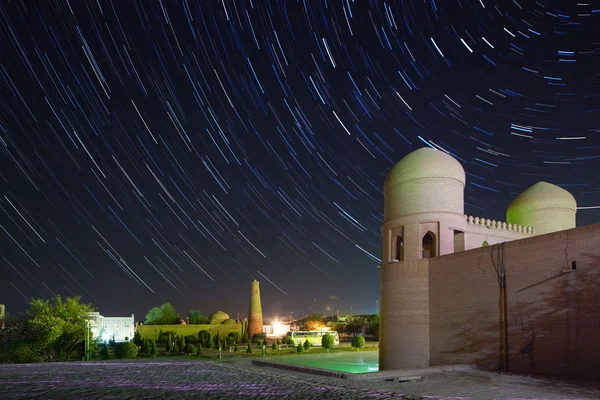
x=167, y=315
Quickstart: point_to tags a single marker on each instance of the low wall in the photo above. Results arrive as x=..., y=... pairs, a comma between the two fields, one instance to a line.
x=152, y=331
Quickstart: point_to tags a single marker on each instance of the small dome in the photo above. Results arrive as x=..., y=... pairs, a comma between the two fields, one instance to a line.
x=217, y=317
x=540, y=196
x=425, y=163
x=229, y=322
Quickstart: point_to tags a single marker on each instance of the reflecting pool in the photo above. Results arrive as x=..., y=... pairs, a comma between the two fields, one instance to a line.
x=354, y=362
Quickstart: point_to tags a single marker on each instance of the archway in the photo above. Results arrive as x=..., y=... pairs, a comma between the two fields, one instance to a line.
x=429, y=245
x=398, y=249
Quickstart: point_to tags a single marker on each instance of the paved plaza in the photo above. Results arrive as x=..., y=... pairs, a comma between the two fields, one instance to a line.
x=164, y=378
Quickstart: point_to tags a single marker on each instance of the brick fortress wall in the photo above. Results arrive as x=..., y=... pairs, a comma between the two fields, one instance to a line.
x=553, y=316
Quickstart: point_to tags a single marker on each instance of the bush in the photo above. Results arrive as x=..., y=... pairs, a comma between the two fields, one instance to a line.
x=275, y=346
x=327, y=342
x=104, y=353
x=153, y=349
x=169, y=345
x=299, y=348
x=235, y=349
x=265, y=342
x=287, y=340
x=249, y=349
x=126, y=350
x=137, y=338
x=190, y=348
x=235, y=336
x=358, y=342
x=191, y=339
x=307, y=345
x=199, y=353
x=203, y=337
x=230, y=341
x=181, y=344
x=209, y=341
x=245, y=337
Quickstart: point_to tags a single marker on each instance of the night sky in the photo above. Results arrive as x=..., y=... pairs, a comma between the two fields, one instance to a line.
x=177, y=150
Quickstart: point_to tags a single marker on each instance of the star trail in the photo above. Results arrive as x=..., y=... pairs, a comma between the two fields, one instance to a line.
x=176, y=150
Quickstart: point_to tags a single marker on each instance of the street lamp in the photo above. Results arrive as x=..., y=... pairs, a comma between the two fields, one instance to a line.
x=87, y=342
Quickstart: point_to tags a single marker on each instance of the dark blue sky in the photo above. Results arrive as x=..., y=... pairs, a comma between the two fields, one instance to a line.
x=177, y=150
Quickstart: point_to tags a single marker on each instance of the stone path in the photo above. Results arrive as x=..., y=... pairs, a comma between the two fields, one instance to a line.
x=176, y=379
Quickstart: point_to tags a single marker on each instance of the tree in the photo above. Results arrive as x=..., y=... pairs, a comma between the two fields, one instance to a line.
x=190, y=348
x=203, y=337
x=218, y=339
x=146, y=346
x=264, y=342
x=299, y=348
x=169, y=346
x=275, y=345
x=209, y=341
x=307, y=345
x=137, y=338
x=245, y=337
x=163, y=315
x=199, y=353
x=104, y=353
x=327, y=342
x=195, y=317
x=358, y=342
x=235, y=336
x=57, y=329
x=235, y=349
x=153, y=349
x=249, y=349
x=181, y=344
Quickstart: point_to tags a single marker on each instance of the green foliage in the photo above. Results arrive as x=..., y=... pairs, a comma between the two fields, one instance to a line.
x=137, y=338
x=200, y=352
x=54, y=331
x=190, y=349
x=358, y=342
x=203, y=338
x=245, y=337
x=235, y=336
x=327, y=342
x=153, y=349
x=307, y=345
x=218, y=339
x=249, y=349
x=126, y=350
x=299, y=348
x=265, y=342
x=230, y=341
x=195, y=317
x=175, y=348
x=146, y=346
x=163, y=315
x=235, y=349
x=191, y=339
x=287, y=340
x=169, y=346
x=181, y=344
x=275, y=346
x=209, y=341
x=104, y=353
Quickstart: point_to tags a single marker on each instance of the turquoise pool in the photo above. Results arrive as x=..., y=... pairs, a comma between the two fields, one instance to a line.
x=352, y=362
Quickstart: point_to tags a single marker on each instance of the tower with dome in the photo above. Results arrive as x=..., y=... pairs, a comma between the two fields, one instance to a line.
x=461, y=289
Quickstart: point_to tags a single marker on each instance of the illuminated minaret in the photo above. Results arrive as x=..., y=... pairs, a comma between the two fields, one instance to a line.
x=255, y=319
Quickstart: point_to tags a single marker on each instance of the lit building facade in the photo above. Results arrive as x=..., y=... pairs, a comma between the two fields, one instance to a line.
x=118, y=329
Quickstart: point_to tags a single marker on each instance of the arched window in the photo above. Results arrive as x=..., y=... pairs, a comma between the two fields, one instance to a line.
x=429, y=245
x=398, y=249
x=484, y=244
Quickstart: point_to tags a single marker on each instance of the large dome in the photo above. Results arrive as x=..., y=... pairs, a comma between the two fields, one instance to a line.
x=217, y=317
x=546, y=207
x=425, y=163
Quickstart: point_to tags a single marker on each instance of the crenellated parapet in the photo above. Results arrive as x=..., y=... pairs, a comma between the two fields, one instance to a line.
x=500, y=225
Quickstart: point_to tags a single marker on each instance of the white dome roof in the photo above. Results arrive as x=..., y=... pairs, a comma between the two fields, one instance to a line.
x=425, y=163
x=540, y=196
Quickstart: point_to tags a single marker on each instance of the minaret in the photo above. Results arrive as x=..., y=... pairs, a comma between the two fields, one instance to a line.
x=255, y=319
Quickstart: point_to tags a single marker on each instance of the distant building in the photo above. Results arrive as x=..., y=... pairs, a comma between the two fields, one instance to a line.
x=117, y=328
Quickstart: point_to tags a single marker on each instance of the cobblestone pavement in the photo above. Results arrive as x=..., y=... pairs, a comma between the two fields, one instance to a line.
x=176, y=379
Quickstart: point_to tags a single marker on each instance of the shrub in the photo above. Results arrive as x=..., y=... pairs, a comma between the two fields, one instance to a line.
x=190, y=348
x=137, y=339
x=175, y=348
x=245, y=337
x=307, y=345
x=191, y=339
x=235, y=349
x=209, y=341
x=327, y=342
x=104, y=353
x=169, y=343
x=153, y=349
x=249, y=349
x=181, y=344
x=299, y=348
x=203, y=337
x=287, y=340
x=358, y=342
x=146, y=346
x=265, y=342
x=235, y=336
x=275, y=346
x=230, y=341
x=126, y=350
x=218, y=339
x=199, y=353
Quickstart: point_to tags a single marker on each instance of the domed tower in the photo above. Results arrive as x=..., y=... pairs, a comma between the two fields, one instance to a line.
x=546, y=207
x=423, y=218
x=423, y=206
